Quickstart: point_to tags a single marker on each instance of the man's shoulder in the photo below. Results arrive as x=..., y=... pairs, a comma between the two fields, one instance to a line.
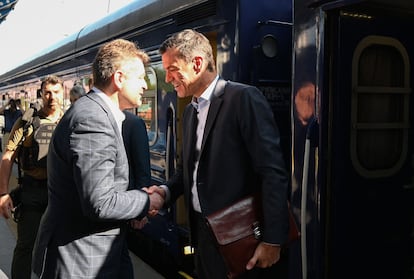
x=129, y=116
x=86, y=105
x=237, y=90
x=86, y=111
x=133, y=122
x=238, y=85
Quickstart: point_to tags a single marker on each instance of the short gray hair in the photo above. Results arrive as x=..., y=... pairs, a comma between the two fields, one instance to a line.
x=76, y=92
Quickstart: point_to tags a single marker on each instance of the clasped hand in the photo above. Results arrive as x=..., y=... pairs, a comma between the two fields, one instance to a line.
x=157, y=199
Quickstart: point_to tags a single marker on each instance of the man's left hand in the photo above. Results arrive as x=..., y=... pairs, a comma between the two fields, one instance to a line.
x=264, y=256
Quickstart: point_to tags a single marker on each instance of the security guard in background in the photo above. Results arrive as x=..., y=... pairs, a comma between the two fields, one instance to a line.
x=28, y=141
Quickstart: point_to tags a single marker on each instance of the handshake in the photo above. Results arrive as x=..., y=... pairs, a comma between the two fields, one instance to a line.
x=157, y=197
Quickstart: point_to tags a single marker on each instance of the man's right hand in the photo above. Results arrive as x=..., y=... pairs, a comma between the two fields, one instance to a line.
x=156, y=203
x=157, y=199
x=6, y=206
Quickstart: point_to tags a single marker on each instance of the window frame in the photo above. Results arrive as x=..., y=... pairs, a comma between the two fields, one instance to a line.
x=359, y=90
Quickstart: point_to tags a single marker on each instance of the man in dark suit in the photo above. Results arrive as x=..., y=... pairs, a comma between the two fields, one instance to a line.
x=134, y=133
x=230, y=150
x=82, y=234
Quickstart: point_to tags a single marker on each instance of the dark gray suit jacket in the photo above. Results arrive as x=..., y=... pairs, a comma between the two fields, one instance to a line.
x=240, y=154
x=82, y=233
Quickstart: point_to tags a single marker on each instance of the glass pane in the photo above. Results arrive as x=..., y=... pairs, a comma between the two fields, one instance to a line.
x=388, y=108
x=166, y=101
x=381, y=65
x=147, y=111
x=380, y=149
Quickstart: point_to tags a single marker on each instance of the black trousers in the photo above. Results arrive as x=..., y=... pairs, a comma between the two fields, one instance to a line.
x=207, y=260
x=34, y=202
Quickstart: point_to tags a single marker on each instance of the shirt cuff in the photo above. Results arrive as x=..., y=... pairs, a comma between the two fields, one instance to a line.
x=167, y=192
x=145, y=210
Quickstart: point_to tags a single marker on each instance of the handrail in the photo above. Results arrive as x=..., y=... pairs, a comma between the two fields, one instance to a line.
x=305, y=173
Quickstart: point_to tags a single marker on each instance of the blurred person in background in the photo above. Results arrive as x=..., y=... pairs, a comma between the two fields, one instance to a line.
x=29, y=141
x=76, y=92
x=11, y=113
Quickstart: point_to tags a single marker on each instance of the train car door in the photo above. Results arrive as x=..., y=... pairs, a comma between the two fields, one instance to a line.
x=370, y=132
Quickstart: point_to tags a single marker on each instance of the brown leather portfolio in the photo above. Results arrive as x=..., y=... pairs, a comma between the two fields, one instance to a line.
x=237, y=231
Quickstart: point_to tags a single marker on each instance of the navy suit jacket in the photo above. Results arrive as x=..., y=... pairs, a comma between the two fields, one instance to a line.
x=240, y=155
x=134, y=133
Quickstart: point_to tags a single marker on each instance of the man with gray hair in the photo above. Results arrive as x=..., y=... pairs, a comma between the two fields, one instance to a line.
x=76, y=92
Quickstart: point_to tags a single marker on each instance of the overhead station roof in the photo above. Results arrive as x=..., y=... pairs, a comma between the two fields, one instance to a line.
x=6, y=6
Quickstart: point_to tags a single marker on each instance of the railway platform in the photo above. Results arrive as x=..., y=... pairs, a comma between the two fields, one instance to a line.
x=8, y=241
x=8, y=232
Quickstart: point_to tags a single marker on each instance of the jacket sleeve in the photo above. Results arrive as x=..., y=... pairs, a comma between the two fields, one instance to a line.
x=100, y=169
x=262, y=139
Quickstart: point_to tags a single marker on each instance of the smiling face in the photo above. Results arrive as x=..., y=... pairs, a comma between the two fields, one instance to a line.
x=182, y=75
x=131, y=77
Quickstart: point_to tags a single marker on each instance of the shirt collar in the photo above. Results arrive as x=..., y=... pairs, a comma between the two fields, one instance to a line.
x=206, y=95
x=116, y=112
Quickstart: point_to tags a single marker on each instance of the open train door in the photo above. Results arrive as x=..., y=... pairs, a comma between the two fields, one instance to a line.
x=367, y=138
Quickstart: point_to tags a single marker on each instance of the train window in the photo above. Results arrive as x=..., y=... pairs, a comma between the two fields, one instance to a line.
x=147, y=110
x=269, y=46
x=379, y=111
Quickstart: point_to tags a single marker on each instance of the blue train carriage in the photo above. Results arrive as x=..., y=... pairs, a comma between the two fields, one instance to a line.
x=252, y=44
x=352, y=177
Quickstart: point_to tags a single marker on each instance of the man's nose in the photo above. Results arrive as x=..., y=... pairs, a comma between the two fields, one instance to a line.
x=168, y=77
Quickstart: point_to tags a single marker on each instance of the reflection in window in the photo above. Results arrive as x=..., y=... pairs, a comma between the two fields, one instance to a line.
x=379, y=131
x=147, y=110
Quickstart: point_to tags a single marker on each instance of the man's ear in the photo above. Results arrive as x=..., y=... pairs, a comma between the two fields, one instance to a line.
x=198, y=63
x=117, y=78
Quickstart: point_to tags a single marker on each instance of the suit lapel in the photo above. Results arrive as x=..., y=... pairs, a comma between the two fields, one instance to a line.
x=189, y=134
x=107, y=110
x=215, y=105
